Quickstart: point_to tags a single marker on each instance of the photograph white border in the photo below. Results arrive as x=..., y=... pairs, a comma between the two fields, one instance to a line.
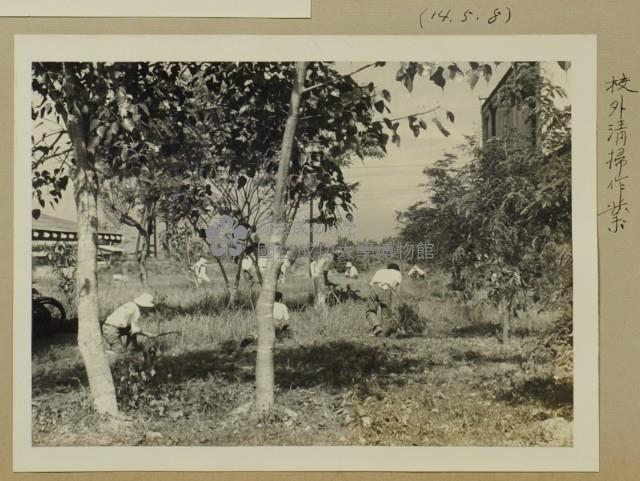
x=158, y=8
x=579, y=49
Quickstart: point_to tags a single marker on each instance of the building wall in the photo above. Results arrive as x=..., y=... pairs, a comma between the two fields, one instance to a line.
x=498, y=119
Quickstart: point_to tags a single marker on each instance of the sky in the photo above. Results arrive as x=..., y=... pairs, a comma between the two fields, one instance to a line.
x=392, y=183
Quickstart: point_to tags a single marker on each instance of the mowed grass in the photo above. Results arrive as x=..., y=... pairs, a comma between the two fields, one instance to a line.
x=455, y=385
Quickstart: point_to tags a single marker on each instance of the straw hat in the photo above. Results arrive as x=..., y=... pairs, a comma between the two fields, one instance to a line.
x=144, y=300
x=349, y=264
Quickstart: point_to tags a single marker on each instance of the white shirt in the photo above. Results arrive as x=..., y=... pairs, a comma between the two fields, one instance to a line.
x=247, y=263
x=322, y=265
x=386, y=278
x=280, y=312
x=416, y=270
x=124, y=316
x=351, y=272
x=200, y=269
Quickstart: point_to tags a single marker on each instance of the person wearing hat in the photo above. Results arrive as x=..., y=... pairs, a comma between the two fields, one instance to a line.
x=120, y=329
x=381, y=289
x=200, y=269
x=351, y=272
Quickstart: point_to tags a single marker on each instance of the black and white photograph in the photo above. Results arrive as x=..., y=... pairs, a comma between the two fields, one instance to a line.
x=277, y=252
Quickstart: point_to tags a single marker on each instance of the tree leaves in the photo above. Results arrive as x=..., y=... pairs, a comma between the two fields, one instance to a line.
x=472, y=78
x=450, y=117
x=127, y=124
x=490, y=221
x=564, y=65
x=487, y=71
x=441, y=128
x=454, y=71
x=406, y=73
x=379, y=106
x=438, y=78
x=35, y=213
x=408, y=83
x=415, y=125
x=386, y=95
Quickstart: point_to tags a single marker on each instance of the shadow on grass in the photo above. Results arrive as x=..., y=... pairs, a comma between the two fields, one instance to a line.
x=337, y=365
x=548, y=391
x=478, y=329
x=473, y=355
x=489, y=329
x=43, y=334
x=43, y=344
x=58, y=348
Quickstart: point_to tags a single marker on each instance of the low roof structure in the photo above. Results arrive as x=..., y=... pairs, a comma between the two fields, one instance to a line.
x=48, y=228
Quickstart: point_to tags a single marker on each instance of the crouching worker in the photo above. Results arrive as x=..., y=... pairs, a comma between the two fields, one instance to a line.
x=417, y=273
x=200, y=270
x=281, y=317
x=380, y=299
x=320, y=274
x=351, y=272
x=280, y=321
x=120, y=329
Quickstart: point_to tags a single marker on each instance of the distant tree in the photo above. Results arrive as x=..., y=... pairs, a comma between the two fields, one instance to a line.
x=126, y=202
x=500, y=215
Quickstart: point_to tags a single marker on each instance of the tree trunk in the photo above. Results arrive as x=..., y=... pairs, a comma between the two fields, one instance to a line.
x=233, y=294
x=85, y=183
x=143, y=250
x=506, y=325
x=224, y=274
x=142, y=256
x=264, y=308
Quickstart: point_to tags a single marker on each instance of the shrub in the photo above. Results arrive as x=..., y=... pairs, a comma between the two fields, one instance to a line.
x=408, y=322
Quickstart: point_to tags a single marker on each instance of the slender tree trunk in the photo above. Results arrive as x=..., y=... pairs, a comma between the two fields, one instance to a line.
x=85, y=183
x=264, y=308
x=143, y=250
x=506, y=325
x=259, y=273
x=233, y=294
x=142, y=257
x=224, y=274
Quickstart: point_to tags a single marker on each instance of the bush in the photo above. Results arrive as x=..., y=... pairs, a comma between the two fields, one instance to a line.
x=64, y=259
x=547, y=370
x=139, y=389
x=408, y=322
x=555, y=346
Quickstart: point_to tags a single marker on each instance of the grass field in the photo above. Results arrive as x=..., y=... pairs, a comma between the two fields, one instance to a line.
x=454, y=385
